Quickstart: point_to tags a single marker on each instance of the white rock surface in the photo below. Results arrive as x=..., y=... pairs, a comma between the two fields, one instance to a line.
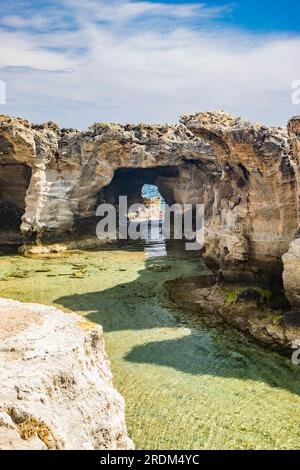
x=56, y=385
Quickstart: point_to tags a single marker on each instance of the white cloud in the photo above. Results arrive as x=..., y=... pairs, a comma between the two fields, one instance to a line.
x=138, y=61
x=36, y=21
x=123, y=11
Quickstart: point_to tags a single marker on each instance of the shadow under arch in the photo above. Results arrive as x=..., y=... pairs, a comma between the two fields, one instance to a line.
x=130, y=305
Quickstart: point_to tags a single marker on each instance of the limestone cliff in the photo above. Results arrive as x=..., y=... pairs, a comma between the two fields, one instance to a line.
x=243, y=173
x=255, y=212
x=291, y=260
x=56, y=385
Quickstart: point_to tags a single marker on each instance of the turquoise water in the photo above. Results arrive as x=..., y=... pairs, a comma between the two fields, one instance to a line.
x=188, y=382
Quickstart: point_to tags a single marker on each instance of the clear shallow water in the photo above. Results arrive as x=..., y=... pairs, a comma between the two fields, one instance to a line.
x=189, y=382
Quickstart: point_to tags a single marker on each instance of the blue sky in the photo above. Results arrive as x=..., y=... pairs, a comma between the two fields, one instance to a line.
x=257, y=15
x=76, y=62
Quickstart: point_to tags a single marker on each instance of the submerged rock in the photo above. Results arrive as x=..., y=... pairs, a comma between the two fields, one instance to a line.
x=249, y=295
x=56, y=384
x=159, y=268
x=239, y=308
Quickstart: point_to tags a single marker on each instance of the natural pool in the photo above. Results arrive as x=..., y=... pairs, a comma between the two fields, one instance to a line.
x=189, y=382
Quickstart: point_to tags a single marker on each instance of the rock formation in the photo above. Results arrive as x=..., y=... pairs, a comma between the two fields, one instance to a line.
x=291, y=260
x=254, y=311
x=56, y=385
x=243, y=173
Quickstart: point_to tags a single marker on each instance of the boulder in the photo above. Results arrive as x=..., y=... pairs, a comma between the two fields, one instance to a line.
x=56, y=384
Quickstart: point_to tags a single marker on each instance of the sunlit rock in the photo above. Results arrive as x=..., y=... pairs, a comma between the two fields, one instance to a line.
x=243, y=173
x=56, y=384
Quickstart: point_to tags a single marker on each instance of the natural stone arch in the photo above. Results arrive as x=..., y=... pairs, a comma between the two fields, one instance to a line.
x=243, y=172
x=87, y=161
x=130, y=181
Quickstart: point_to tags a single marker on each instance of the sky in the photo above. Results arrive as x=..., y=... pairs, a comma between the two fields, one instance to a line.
x=77, y=62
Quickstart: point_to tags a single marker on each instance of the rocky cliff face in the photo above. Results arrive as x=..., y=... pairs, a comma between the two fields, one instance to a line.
x=242, y=172
x=56, y=385
x=255, y=212
x=291, y=260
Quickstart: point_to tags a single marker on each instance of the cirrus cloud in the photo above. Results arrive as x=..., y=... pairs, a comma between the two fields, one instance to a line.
x=141, y=61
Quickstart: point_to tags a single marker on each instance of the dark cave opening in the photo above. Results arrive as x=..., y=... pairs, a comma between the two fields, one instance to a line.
x=14, y=182
x=130, y=182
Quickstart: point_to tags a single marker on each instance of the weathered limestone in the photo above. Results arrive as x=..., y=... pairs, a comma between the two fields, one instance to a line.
x=291, y=273
x=291, y=260
x=255, y=212
x=56, y=385
x=243, y=172
x=253, y=311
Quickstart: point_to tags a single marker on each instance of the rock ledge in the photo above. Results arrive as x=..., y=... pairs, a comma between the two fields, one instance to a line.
x=56, y=384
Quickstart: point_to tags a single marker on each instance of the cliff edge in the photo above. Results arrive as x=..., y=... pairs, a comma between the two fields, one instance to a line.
x=56, y=384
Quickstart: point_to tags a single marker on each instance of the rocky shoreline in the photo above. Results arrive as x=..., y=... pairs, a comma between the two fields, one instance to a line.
x=245, y=174
x=249, y=309
x=54, y=368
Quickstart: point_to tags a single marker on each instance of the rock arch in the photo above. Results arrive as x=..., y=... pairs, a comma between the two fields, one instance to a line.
x=243, y=172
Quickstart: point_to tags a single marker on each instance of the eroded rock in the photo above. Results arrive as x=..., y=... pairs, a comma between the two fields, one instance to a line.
x=255, y=212
x=242, y=172
x=56, y=384
x=291, y=259
x=274, y=328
